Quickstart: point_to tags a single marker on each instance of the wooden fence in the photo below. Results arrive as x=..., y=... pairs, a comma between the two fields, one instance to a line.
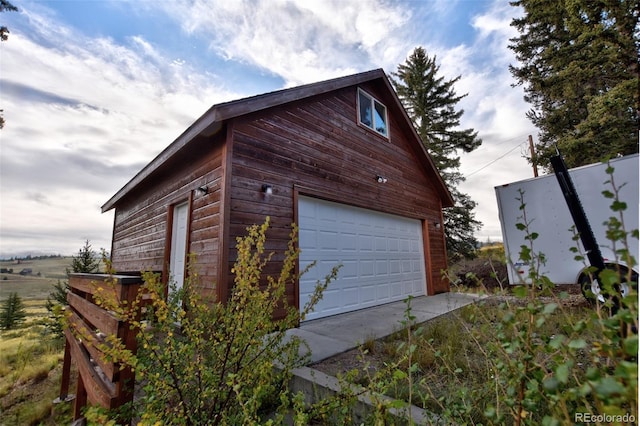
x=100, y=382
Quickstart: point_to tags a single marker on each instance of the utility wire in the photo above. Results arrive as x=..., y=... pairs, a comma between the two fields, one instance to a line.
x=493, y=161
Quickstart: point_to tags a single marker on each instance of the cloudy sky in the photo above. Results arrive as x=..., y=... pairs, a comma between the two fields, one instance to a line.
x=93, y=90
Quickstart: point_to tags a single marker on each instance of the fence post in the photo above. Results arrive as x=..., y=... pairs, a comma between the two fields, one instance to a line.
x=64, y=395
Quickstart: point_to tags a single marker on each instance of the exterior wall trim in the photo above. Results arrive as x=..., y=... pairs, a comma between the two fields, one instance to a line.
x=222, y=286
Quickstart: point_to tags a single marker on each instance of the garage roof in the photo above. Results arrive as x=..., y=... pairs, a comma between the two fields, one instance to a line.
x=212, y=121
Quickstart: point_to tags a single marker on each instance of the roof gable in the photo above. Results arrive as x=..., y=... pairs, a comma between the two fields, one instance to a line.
x=212, y=121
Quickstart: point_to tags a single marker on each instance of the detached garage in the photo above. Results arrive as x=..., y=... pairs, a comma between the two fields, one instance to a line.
x=340, y=158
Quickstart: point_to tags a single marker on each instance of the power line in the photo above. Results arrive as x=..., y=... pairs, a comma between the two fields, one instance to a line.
x=493, y=161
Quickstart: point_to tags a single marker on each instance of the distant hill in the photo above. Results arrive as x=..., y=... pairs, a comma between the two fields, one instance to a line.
x=32, y=257
x=37, y=278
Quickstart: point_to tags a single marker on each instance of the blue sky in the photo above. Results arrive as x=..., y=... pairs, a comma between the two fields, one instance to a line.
x=93, y=90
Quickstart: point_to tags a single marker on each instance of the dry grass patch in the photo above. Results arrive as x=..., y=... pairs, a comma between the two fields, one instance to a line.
x=453, y=357
x=30, y=369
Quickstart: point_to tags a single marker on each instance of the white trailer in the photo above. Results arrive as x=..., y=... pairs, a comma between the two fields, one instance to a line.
x=548, y=215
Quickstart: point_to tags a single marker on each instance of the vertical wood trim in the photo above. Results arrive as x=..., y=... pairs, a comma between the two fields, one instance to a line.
x=222, y=286
x=167, y=249
x=296, y=284
x=187, y=246
x=428, y=264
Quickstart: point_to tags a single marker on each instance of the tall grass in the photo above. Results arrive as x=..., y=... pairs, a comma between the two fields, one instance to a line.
x=26, y=354
x=455, y=355
x=29, y=377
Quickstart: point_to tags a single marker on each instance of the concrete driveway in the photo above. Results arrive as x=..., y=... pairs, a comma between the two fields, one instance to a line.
x=333, y=335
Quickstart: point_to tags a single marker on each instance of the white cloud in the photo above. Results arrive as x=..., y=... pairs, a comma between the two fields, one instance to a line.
x=83, y=115
x=497, y=110
x=300, y=41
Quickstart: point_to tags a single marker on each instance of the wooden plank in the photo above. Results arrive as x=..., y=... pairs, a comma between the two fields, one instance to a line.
x=98, y=318
x=350, y=179
x=145, y=236
x=355, y=174
x=338, y=130
x=84, y=285
x=306, y=137
x=98, y=392
x=90, y=342
x=87, y=283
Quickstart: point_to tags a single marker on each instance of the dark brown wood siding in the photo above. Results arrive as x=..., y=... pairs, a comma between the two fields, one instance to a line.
x=438, y=250
x=142, y=218
x=316, y=146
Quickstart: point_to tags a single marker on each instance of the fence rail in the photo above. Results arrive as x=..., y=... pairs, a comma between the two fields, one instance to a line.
x=100, y=381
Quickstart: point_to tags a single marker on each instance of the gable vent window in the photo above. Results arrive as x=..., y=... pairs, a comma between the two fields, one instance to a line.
x=372, y=113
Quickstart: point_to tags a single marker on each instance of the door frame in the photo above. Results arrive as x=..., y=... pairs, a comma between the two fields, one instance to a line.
x=169, y=239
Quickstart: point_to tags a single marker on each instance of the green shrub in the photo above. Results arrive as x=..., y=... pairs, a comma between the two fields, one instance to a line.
x=205, y=362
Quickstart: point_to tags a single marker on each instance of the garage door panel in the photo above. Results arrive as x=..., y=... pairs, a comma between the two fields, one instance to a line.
x=365, y=242
x=307, y=239
x=396, y=289
x=349, y=242
x=367, y=268
x=394, y=266
x=382, y=293
x=382, y=267
x=417, y=266
x=327, y=240
x=351, y=296
x=349, y=269
x=381, y=254
x=331, y=300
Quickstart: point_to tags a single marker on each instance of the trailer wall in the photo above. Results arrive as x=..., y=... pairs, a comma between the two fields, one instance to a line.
x=547, y=214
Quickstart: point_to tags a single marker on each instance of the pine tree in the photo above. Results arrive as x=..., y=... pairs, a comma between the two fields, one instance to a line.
x=431, y=102
x=578, y=64
x=86, y=261
x=13, y=312
x=56, y=301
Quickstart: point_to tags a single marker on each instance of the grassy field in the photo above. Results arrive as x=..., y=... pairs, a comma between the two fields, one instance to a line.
x=30, y=357
x=46, y=272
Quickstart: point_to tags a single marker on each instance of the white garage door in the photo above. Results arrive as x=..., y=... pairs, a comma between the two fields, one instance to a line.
x=382, y=256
